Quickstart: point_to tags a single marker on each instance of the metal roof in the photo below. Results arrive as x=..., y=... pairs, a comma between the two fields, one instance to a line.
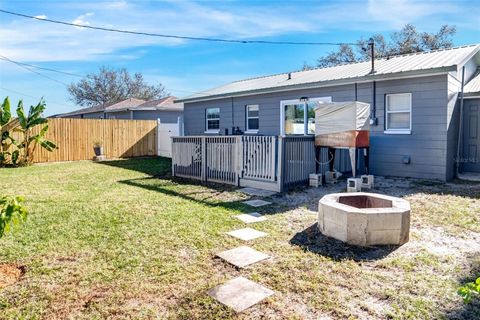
x=473, y=86
x=415, y=63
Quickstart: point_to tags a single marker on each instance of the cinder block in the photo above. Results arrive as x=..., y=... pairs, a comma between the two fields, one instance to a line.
x=367, y=181
x=331, y=177
x=354, y=185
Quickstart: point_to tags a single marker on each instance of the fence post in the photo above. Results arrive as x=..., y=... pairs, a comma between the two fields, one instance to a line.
x=158, y=137
x=173, y=157
x=280, y=162
x=238, y=158
x=204, y=159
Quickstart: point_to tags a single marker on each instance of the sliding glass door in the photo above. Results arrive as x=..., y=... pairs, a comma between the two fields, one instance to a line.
x=298, y=117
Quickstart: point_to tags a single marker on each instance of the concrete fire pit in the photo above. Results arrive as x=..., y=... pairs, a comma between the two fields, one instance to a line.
x=364, y=219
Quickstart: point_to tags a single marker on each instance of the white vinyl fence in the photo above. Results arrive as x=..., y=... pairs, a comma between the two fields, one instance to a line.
x=165, y=132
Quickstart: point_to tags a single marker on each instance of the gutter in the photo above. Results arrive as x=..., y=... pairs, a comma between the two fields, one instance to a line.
x=329, y=83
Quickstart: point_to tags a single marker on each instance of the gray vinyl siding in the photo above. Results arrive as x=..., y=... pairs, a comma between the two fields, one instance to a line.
x=122, y=115
x=95, y=115
x=426, y=145
x=165, y=116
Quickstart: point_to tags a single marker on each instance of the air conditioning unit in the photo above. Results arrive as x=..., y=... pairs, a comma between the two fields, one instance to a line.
x=354, y=185
x=367, y=181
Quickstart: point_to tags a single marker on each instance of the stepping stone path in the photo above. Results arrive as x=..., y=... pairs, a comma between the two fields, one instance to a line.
x=247, y=234
x=251, y=217
x=257, y=192
x=242, y=256
x=257, y=203
x=240, y=293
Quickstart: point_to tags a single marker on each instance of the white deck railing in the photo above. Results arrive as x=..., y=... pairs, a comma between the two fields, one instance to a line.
x=259, y=161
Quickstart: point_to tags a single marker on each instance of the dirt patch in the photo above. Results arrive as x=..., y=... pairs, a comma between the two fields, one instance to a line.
x=10, y=274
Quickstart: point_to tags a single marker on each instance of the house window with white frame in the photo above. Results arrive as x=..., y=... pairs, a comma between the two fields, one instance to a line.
x=252, y=114
x=398, y=113
x=212, y=120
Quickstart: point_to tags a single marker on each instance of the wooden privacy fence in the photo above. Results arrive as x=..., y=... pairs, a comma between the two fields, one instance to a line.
x=268, y=162
x=120, y=139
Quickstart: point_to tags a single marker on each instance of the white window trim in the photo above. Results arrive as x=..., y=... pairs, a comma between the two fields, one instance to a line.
x=247, y=118
x=206, y=121
x=296, y=101
x=397, y=131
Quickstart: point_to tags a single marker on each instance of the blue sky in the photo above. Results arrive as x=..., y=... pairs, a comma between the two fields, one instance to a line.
x=185, y=67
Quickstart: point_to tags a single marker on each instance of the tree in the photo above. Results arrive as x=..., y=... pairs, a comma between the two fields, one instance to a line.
x=344, y=54
x=407, y=40
x=6, y=139
x=111, y=86
x=31, y=140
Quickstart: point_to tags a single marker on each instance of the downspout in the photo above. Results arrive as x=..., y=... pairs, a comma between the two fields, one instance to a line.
x=460, y=126
x=373, y=114
x=233, y=121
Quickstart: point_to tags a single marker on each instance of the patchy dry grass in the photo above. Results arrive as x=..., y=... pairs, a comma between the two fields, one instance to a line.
x=112, y=241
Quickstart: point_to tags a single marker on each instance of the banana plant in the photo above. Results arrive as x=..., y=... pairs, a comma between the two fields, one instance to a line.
x=30, y=140
x=6, y=140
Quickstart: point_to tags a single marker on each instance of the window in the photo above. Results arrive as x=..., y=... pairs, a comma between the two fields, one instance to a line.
x=252, y=118
x=398, y=113
x=212, y=116
x=295, y=118
x=298, y=117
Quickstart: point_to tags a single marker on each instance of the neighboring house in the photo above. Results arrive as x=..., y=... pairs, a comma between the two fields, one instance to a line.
x=164, y=109
x=414, y=101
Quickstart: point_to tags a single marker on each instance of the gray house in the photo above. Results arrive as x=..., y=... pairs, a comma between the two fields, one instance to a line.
x=415, y=104
x=164, y=109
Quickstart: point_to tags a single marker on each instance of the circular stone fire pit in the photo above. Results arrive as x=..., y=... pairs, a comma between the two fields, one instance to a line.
x=364, y=219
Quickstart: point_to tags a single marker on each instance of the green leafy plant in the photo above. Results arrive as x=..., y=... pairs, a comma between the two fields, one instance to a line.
x=30, y=141
x=12, y=213
x=6, y=139
x=97, y=144
x=470, y=290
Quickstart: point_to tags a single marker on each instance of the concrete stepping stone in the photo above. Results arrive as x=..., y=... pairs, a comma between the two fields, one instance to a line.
x=257, y=192
x=251, y=217
x=247, y=234
x=257, y=203
x=240, y=293
x=242, y=256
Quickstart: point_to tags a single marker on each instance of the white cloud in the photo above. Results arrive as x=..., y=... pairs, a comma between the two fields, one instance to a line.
x=41, y=16
x=397, y=13
x=41, y=41
x=81, y=19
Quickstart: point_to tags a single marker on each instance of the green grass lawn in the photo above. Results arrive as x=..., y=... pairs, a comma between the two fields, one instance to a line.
x=122, y=240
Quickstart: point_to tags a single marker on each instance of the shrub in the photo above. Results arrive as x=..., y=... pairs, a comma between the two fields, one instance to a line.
x=470, y=290
x=12, y=213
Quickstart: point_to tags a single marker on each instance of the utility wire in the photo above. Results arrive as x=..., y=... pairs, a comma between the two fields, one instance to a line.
x=175, y=36
x=21, y=65
x=2, y=57
x=28, y=66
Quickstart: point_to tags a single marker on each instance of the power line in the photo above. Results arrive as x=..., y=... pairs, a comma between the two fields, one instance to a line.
x=21, y=65
x=175, y=36
x=2, y=57
x=61, y=104
x=21, y=93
